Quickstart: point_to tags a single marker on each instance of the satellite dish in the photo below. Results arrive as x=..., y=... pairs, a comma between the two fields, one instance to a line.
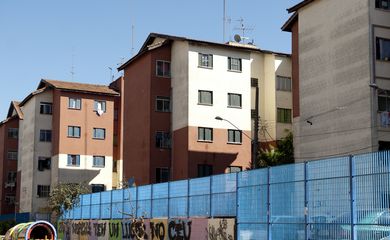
x=237, y=38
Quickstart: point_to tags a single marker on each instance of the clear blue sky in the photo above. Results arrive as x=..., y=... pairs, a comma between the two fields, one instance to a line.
x=39, y=37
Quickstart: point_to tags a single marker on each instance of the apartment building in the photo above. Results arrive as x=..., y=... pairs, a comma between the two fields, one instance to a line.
x=174, y=89
x=9, y=129
x=341, y=73
x=66, y=135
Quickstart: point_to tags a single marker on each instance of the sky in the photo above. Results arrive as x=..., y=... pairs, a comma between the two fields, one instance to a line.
x=80, y=40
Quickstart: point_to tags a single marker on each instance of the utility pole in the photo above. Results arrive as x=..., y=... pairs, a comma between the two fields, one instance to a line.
x=255, y=140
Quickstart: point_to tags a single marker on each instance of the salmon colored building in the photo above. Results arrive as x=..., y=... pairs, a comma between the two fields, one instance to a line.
x=66, y=136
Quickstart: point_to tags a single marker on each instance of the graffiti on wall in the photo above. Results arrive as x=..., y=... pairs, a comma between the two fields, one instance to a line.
x=151, y=229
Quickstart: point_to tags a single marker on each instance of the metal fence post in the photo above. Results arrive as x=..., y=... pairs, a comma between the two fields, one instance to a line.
x=237, y=206
x=210, y=197
x=188, y=198
x=151, y=200
x=352, y=197
x=305, y=197
x=169, y=199
x=268, y=205
x=136, y=203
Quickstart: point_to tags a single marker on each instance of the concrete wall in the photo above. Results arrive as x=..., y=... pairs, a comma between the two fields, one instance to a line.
x=334, y=74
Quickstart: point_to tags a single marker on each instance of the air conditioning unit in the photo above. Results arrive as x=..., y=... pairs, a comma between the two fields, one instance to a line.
x=10, y=184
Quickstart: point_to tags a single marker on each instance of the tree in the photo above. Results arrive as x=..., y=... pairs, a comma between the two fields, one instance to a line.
x=283, y=153
x=65, y=195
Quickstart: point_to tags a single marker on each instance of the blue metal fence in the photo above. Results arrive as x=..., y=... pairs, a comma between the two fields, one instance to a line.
x=339, y=198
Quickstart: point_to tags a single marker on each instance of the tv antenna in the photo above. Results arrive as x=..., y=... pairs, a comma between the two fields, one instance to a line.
x=72, y=72
x=243, y=30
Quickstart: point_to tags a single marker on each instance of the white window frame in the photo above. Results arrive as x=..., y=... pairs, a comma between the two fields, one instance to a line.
x=73, y=160
x=71, y=131
x=201, y=99
x=46, y=108
x=102, y=103
x=74, y=103
x=283, y=84
x=233, y=132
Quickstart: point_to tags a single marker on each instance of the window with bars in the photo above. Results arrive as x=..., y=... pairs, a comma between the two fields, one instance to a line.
x=382, y=4
x=12, y=155
x=45, y=108
x=162, y=175
x=99, y=161
x=234, y=136
x=11, y=177
x=163, y=104
x=205, y=60
x=73, y=160
x=99, y=133
x=383, y=103
x=163, y=139
x=45, y=135
x=74, y=103
x=234, y=64
x=283, y=115
x=44, y=163
x=13, y=133
x=205, y=134
x=234, y=100
x=205, y=170
x=163, y=68
x=74, y=131
x=43, y=191
x=205, y=97
x=283, y=83
x=383, y=49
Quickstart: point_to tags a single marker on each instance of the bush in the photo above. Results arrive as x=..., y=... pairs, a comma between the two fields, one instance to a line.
x=5, y=225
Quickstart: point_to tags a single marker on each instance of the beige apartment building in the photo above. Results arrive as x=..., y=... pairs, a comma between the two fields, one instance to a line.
x=341, y=77
x=66, y=135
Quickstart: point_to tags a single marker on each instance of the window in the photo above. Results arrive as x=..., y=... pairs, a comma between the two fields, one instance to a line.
x=234, y=136
x=383, y=103
x=45, y=108
x=162, y=175
x=44, y=163
x=11, y=177
x=205, y=97
x=74, y=131
x=163, y=104
x=383, y=49
x=99, y=133
x=383, y=4
x=13, y=133
x=74, y=103
x=163, y=68
x=284, y=115
x=99, y=161
x=12, y=155
x=234, y=100
x=205, y=170
x=234, y=64
x=205, y=60
x=233, y=169
x=45, y=136
x=163, y=140
x=97, y=188
x=205, y=134
x=74, y=160
x=99, y=105
x=43, y=191
x=10, y=199
x=283, y=83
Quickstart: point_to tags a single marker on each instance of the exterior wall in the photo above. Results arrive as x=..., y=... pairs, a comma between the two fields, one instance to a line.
x=265, y=68
x=333, y=60
x=8, y=165
x=136, y=117
x=160, y=121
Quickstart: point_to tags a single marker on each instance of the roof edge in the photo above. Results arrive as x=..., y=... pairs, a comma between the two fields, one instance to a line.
x=299, y=6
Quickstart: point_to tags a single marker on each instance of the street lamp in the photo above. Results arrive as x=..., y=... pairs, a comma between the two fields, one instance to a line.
x=253, y=141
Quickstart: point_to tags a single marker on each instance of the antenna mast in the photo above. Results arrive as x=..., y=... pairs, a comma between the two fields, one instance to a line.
x=72, y=68
x=224, y=20
x=132, y=39
x=243, y=29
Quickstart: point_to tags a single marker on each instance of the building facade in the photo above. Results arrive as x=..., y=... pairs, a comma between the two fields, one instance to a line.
x=174, y=89
x=9, y=135
x=66, y=136
x=341, y=72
